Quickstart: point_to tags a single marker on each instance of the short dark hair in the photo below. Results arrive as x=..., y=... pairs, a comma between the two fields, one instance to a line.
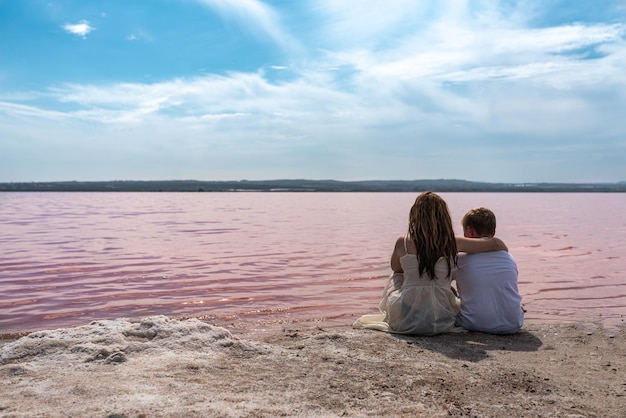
x=482, y=220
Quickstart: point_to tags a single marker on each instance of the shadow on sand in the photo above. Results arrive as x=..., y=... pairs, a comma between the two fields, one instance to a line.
x=473, y=346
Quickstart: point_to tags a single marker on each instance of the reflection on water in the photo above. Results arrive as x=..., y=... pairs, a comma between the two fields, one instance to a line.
x=257, y=260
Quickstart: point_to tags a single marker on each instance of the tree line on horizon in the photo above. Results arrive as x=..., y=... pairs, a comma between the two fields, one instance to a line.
x=301, y=185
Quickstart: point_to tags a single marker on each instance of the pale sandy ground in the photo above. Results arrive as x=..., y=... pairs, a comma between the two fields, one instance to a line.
x=170, y=368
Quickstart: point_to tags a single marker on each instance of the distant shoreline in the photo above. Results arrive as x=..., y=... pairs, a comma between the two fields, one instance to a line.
x=440, y=185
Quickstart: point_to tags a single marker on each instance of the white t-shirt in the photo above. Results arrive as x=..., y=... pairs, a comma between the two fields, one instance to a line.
x=490, y=300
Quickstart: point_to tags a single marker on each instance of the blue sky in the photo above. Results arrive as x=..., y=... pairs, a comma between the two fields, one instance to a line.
x=502, y=91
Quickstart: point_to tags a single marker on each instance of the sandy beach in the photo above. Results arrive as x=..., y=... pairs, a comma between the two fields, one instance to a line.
x=161, y=367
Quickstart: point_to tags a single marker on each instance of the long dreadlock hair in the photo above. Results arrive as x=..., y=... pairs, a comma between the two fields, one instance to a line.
x=430, y=228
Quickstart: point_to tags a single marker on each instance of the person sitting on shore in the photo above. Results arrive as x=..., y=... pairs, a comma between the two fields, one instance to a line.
x=418, y=298
x=487, y=282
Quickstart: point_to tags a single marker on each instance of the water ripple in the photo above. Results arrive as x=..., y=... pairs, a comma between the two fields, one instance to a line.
x=253, y=259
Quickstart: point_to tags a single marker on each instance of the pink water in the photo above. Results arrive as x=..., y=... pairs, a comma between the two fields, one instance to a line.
x=253, y=261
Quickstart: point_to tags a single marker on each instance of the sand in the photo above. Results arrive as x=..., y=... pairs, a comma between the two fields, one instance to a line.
x=161, y=367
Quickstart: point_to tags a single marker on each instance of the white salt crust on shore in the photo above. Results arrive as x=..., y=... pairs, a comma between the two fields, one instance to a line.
x=114, y=340
x=165, y=367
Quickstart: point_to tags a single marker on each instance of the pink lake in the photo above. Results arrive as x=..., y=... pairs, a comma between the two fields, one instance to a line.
x=257, y=261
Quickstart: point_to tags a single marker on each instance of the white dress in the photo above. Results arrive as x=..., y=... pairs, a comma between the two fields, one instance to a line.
x=414, y=304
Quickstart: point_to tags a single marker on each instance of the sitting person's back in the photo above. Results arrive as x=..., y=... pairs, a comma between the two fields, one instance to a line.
x=490, y=300
x=487, y=282
x=417, y=298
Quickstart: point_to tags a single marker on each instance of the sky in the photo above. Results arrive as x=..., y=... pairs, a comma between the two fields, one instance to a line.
x=481, y=90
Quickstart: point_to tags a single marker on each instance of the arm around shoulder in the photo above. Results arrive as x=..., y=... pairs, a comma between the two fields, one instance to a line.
x=479, y=245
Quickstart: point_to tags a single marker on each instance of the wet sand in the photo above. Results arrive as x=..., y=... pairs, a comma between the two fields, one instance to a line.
x=159, y=367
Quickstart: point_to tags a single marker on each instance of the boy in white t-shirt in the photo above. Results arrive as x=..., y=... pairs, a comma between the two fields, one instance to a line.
x=487, y=282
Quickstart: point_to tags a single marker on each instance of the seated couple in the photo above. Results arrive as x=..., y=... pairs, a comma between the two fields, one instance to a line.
x=418, y=297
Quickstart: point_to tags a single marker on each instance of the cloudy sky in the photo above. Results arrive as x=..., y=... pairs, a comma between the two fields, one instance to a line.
x=485, y=90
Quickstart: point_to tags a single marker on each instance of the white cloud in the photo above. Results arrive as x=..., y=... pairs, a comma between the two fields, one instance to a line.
x=412, y=79
x=140, y=35
x=81, y=28
x=205, y=98
x=255, y=16
x=366, y=22
x=21, y=112
x=554, y=39
x=455, y=82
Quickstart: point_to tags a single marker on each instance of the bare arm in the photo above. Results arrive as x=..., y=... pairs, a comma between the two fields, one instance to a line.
x=398, y=251
x=479, y=245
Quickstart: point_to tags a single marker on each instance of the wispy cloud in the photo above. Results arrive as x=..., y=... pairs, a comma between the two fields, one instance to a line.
x=254, y=16
x=140, y=35
x=366, y=23
x=399, y=84
x=81, y=28
x=412, y=74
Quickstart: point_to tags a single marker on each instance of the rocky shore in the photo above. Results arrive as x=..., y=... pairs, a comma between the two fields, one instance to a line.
x=161, y=367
